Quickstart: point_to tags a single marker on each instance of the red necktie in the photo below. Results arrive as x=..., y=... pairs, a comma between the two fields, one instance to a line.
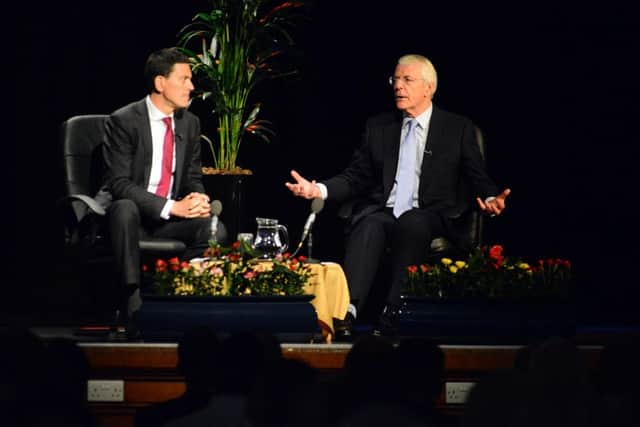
x=167, y=160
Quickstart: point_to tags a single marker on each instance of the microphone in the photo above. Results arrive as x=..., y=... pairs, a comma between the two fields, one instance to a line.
x=216, y=208
x=316, y=207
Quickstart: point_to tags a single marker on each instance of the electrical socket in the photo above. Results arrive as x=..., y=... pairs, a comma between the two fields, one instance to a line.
x=105, y=390
x=456, y=392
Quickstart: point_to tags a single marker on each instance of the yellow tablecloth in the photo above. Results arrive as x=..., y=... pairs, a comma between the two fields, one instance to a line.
x=329, y=285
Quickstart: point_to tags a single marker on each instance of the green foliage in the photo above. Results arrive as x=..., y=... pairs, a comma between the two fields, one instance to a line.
x=234, y=47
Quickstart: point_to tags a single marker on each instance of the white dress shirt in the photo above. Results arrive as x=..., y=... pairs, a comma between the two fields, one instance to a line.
x=158, y=130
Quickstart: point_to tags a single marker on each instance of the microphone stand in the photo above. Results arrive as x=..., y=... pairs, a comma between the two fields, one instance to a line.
x=310, y=259
x=316, y=207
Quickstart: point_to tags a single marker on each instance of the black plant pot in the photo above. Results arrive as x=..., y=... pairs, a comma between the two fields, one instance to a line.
x=232, y=192
x=483, y=320
x=289, y=318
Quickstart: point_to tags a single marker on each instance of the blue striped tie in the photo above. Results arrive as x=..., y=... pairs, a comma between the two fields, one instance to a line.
x=406, y=175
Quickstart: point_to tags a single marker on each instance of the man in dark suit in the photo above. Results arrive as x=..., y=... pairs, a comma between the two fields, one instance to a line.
x=405, y=177
x=153, y=171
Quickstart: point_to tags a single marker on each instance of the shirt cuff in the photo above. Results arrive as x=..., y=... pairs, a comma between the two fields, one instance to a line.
x=166, y=210
x=323, y=190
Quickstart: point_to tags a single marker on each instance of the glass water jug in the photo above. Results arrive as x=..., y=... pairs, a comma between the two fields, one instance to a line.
x=271, y=239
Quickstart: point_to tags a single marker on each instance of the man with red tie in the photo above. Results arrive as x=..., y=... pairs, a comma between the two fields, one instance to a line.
x=153, y=171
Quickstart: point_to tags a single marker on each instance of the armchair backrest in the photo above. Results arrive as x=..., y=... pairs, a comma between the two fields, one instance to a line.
x=470, y=222
x=82, y=137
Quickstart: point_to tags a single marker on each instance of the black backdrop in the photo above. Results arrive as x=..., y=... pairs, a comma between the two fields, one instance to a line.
x=553, y=87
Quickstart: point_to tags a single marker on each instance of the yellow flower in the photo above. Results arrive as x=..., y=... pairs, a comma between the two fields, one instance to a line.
x=184, y=289
x=446, y=261
x=461, y=264
x=524, y=266
x=453, y=269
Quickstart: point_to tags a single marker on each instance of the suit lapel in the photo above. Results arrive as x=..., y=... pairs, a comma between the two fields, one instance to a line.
x=145, y=136
x=180, y=143
x=434, y=134
x=391, y=138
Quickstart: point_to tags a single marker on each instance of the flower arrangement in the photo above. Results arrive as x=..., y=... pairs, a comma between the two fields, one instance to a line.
x=235, y=46
x=231, y=271
x=488, y=273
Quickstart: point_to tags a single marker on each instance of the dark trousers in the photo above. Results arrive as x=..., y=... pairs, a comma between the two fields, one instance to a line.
x=126, y=227
x=407, y=238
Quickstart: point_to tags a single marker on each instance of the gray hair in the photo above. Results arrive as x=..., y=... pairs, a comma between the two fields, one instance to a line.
x=427, y=69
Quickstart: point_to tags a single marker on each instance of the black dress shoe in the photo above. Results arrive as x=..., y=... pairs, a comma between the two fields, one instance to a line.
x=387, y=325
x=126, y=327
x=343, y=329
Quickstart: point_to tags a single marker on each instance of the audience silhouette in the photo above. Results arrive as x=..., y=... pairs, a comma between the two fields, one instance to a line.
x=616, y=380
x=43, y=383
x=198, y=356
x=549, y=385
x=419, y=376
x=242, y=359
x=289, y=394
x=243, y=380
x=385, y=384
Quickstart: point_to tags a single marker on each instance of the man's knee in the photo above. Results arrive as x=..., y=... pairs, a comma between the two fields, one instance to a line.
x=124, y=211
x=373, y=224
x=412, y=229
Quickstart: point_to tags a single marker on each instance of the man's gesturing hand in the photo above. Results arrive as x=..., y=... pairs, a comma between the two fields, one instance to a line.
x=303, y=187
x=496, y=205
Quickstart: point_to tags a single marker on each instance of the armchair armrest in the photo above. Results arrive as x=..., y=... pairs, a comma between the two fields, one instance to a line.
x=79, y=215
x=90, y=202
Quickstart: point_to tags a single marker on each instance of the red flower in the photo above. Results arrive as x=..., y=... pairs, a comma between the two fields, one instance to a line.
x=495, y=252
x=145, y=268
x=161, y=266
x=412, y=269
x=302, y=258
x=497, y=262
x=236, y=245
x=424, y=268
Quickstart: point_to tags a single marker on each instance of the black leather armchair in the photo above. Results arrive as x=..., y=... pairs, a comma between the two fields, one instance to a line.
x=83, y=217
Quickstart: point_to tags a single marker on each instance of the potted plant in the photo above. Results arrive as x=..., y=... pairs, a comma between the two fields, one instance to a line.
x=489, y=293
x=234, y=47
x=488, y=274
x=230, y=290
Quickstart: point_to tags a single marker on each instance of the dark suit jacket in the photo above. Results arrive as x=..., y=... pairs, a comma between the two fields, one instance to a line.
x=451, y=154
x=128, y=151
